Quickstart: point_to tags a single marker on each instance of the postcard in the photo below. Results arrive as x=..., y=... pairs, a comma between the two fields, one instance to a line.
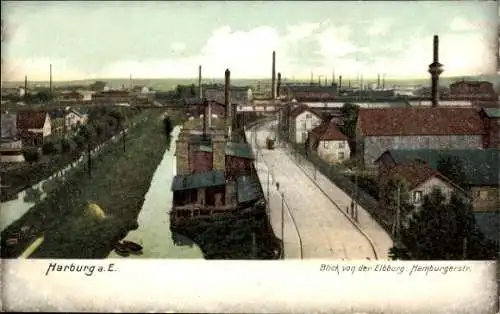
x=250, y=156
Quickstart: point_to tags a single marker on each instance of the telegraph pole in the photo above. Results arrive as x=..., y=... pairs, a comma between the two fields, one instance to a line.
x=89, y=160
x=282, y=225
x=398, y=210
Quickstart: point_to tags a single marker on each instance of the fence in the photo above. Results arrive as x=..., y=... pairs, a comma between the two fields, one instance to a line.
x=337, y=176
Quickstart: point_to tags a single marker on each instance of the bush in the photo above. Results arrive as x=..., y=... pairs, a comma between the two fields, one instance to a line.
x=79, y=141
x=31, y=154
x=49, y=148
x=65, y=145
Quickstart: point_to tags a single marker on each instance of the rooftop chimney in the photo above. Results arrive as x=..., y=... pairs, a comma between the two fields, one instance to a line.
x=273, y=82
x=227, y=102
x=435, y=69
x=278, y=85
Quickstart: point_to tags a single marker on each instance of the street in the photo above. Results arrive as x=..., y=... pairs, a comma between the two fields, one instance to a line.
x=324, y=230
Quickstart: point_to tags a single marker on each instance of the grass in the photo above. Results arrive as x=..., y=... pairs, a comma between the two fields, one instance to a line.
x=118, y=184
x=18, y=177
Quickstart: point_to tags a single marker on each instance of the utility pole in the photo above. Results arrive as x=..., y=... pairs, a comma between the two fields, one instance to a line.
x=355, y=211
x=89, y=160
x=282, y=225
x=464, y=248
x=268, y=183
x=398, y=210
x=123, y=137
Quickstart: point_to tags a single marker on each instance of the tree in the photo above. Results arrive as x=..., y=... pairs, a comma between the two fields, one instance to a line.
x=396, y=196
x=349, y=114
x=49, y=148
x=97, y=86
x=31, y=155
x=168, y=125
x=442, y=230
x=452, y=168
x=65, y=145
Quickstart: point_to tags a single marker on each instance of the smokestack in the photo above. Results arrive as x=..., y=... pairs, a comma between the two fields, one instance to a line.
x=25, y=86
x=349, y=83
x=378, y=81
x=333, y=77
x=50, y=81
x=312, y=78
x=278, y=85
x=435, y=69
x=340, y=81
x=326, y=81
x=273, y=82
x=227, y=103
x=383, y=82
x=199, y=82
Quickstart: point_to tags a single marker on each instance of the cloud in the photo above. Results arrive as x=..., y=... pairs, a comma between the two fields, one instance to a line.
x=459, y=24
x=379, y=27
x=177, y=47
x=300, y=50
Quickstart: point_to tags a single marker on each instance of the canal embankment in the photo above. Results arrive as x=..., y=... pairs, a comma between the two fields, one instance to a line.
x=118, y=182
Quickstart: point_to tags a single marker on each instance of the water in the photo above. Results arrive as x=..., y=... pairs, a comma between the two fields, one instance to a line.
x=154, y=222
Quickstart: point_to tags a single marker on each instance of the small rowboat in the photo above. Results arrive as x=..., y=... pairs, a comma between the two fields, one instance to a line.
x=132, y=247
x=121, y=250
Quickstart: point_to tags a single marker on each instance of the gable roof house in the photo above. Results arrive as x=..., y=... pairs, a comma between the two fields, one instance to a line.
x=480, y=166
x=57, y=121
x=378, y=130
x=34, y=126
x=491, y=119
x=302, y=120
x=11, y=146
x=74, y=118
x=330, y=144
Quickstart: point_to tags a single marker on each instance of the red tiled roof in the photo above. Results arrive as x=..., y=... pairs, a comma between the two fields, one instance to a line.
x=328, y=131
x=415, y=173
x=420, y=121
x=31, y=119
x=302, y=108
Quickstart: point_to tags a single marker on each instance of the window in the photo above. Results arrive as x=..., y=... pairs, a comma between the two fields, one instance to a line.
x=325, y=144
x=304, y=125
x=341, y=144
x=308, y=116
x=483, y=195
x=417, y=197
x=341, y=156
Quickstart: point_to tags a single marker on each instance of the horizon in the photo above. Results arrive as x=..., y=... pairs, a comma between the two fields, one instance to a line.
x=337, y=37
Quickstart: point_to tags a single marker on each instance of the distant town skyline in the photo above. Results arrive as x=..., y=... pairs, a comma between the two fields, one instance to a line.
x=86, y=40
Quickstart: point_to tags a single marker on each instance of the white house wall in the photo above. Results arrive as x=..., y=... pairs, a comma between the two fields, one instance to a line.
x=329, y=150
x=304, y=125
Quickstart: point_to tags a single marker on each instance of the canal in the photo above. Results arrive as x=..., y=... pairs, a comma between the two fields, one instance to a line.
x=153, y=233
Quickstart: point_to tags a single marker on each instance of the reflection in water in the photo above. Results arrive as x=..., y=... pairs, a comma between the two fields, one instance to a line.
x=181, y=240
x=153, y=233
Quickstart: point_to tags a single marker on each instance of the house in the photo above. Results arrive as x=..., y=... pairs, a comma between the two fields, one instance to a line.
x=420, y=180
x=11, y=146
x=86, y=95
x=472, y=88
x=111, y=96
x=491, y=119
x=70, y=97
x=312, y=92
x=74, y=118
x=480, y=166
x=302, y=120
x=9, y=125
x=34, y=126
x=238, y=94
x=330, y=144
x=380, y=129
x=58, y=125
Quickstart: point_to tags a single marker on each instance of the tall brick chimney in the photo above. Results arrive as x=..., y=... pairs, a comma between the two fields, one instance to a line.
x=206, y=109
x=227, y=103
x=435, y=69
x=25, y=86
x=273, y=82
x=340, y=81
x=278, y=85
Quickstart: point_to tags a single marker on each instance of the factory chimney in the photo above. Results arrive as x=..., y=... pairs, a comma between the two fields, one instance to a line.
x=25, y=86
x=227, y=103
x=50, y=82
x=206, y=110
x=378, y=81
x=340, y=81
x=273, y=82
x=435, y=69
x=278, y=86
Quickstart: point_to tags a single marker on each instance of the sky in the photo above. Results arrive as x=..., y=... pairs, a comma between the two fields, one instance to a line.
x=84, y=40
